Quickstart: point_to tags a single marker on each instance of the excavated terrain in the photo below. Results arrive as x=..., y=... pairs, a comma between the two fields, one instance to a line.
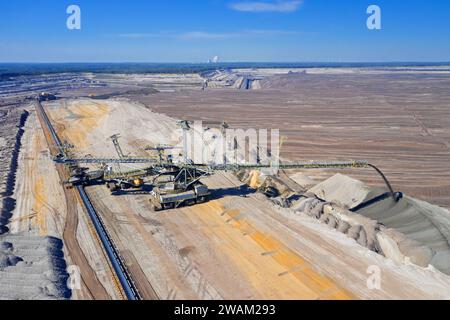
x=241, y=244
x=398, y=121
x=321, y=238
x=31, y=267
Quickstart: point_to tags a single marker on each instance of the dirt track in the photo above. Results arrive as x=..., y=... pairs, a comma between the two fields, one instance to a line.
x=94, y=288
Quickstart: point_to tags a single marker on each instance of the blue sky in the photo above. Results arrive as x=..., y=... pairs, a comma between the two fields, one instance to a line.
x=234, y=30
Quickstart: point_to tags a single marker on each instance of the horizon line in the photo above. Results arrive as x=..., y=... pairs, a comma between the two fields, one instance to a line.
x=223, y=62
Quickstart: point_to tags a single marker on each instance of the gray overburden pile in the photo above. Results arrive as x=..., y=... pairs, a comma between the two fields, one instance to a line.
x=30, y=267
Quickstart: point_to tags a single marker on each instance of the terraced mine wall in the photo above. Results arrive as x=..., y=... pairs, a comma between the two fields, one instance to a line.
x=30, y=267
x=9, y=123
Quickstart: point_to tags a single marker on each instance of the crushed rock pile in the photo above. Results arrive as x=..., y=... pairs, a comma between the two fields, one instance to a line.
x=11, y=130
x=407, y=230
x=32, y=268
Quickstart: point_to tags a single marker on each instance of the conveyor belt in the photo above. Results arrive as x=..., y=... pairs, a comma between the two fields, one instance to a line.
x=116, y=261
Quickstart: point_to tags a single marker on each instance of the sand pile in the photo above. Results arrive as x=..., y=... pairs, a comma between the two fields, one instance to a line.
x=416, y=229
x=344, y=191
x=303, y=180
x=420, y=221
x=362, y=230
x=407, y=231
x=94, y=118
x=32, y=268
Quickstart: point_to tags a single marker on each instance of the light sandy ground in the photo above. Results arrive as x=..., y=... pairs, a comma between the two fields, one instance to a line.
x=232, y=247
x=334, y=71
x=32, y=266
x=86, y=119
x=398, y=122
x=41, y=208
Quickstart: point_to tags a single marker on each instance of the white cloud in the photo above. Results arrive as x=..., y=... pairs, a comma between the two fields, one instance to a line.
x=272, y=33
x=141, y=35
x=201, y=35
x=205, y=35
x=191, y=35
x=273, y=6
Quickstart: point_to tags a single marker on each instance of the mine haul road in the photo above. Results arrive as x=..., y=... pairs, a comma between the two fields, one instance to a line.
x=88, y=275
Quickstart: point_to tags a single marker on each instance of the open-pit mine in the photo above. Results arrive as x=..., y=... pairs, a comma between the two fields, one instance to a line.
x=102, y=199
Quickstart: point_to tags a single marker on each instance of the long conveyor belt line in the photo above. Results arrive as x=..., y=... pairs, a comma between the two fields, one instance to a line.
x=119, y=267
x=49, y=126
x=111, y=250
x=210, y=168
x=218, y=167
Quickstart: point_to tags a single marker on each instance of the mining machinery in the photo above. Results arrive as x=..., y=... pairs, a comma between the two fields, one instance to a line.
x=176, y=185
x=160, y=149
x=115, y=140
x=123, y=180
x=179, y=184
